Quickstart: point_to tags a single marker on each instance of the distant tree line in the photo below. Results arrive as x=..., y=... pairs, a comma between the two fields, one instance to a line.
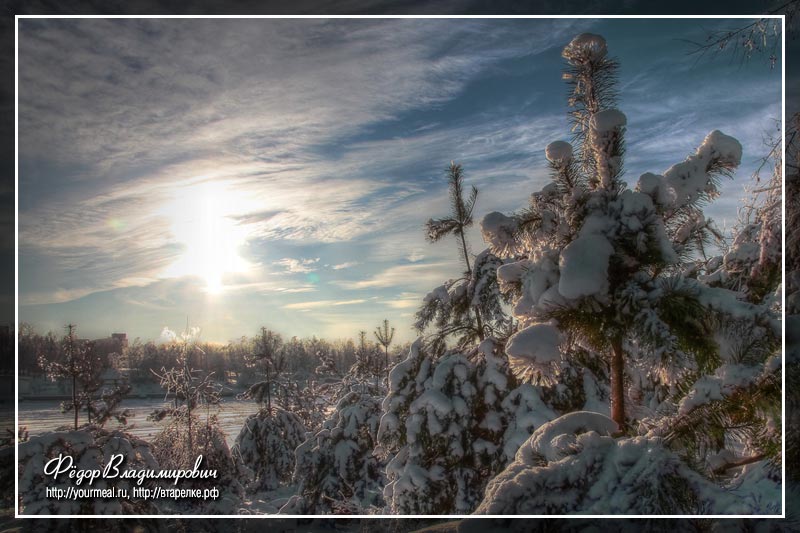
x=230, y=363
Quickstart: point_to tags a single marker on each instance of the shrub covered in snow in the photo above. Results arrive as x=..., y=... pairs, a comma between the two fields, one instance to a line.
x=336, y=469
x=175, y=449
x=751, y=262
x=450, y=424
x=574, y=465
x=187, y=436
x=367, y=376
x=90, y=449
x=266, y=445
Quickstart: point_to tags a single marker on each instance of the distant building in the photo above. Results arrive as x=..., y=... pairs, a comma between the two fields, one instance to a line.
x=122, y=338
x=114, y=347
x=117, y=342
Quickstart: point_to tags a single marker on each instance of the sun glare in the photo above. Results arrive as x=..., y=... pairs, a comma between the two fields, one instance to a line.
x=201, y=221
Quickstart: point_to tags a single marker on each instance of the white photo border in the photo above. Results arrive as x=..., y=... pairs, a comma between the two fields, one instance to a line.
x=17, y=18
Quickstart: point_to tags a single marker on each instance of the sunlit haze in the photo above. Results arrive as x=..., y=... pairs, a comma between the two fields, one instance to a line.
x=200, y=219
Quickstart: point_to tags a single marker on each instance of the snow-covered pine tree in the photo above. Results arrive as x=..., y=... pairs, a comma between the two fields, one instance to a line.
x=470, y=307
x=366, y=375
x=365, y=365
x=598, y=266
x=572, y=465
x=336, y=469
x=731, y=418
x=90, y=449
x=449, y=425
x=265, y=446
x=266, y=355
x=607, y=270
x=751, y=262
x=272, y=356
x=266, y=443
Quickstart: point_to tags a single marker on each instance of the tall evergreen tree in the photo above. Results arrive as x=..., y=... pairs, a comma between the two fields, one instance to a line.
x=456, y=224
x=600, y=271
x=600, y=266
x=468, y=308
x=336, y=470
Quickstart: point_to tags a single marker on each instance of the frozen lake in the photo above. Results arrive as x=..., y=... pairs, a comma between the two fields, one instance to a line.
x=43, y=416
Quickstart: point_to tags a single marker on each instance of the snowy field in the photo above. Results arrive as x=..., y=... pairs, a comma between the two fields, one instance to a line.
x=43, y=416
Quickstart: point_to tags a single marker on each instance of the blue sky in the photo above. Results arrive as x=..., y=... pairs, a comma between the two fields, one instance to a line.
x=279, y=172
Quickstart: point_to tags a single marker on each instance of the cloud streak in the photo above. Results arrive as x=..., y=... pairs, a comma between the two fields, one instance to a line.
x=402, y=276
x=322, y=304
x=298, y=266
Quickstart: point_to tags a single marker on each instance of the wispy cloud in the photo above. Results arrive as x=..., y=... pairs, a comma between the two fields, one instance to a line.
x=412, y=275
x=346, y=264
x=298, y=266
x=322, y=303
x=170, y=89
x=405, y=300
x=415, y=256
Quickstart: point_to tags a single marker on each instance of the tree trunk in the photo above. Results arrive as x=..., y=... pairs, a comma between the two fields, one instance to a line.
x=75, y=405
x=466, y=254
x=478, y=321
x=481, y=334
x=618, y=384
x=269, y=392
x=189, y=423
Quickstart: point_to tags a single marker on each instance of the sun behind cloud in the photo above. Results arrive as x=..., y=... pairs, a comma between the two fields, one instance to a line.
x=201, y=221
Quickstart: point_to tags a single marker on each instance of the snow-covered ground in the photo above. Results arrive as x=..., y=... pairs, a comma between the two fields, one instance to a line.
x=40, y=417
